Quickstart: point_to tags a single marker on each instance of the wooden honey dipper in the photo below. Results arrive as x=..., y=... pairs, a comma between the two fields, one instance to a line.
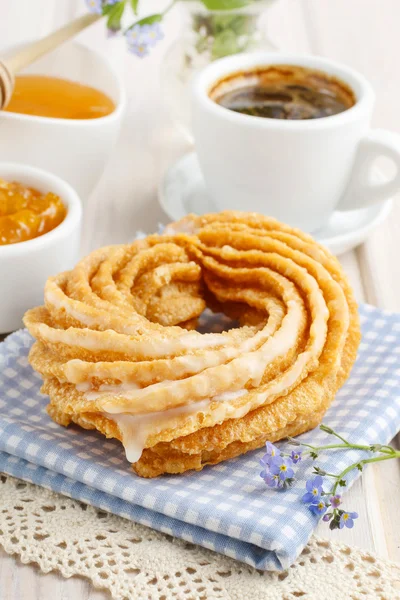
x=28, y=54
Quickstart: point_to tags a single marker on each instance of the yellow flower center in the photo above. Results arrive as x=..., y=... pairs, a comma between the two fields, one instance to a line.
x=283, y=467
x=345, y=516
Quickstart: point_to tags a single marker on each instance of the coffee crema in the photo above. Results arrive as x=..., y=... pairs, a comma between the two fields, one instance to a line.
x=283, y=92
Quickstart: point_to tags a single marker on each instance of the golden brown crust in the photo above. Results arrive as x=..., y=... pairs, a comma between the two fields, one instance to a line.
x=111, y=334
x=219, y=443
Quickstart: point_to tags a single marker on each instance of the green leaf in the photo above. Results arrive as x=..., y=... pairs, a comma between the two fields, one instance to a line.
x=239, y=24
x=115, y=15
x=224, y=4
x=108, y=8
x=326, y=428
x=288, y=483
x=134, y=5
x=334, y=524
x=292, y=441
x=242, y=24
x=319, y=471
x=149, y=20
x=224, y=44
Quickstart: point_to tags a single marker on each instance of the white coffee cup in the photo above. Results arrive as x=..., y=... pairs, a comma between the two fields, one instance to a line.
x=296, y=171
x=76, y=150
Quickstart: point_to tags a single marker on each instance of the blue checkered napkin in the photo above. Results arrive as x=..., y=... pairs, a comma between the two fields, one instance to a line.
x=227, y=507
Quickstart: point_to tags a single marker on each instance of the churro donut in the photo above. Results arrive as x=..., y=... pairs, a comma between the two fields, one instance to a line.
x=117, y=346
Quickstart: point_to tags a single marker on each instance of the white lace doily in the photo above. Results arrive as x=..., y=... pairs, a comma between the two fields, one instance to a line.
x=134, y=562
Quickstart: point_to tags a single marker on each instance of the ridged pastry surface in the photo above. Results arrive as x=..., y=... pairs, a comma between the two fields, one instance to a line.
x=117, y=346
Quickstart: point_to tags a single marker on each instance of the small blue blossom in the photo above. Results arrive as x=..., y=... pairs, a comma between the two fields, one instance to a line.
x=272, y=450
x=281, y=466
x=154, y=33
x=134, y=35
x=295, y=456
x=347, y=519
x=336, y=501
x=95, y=6
x=318, y=508
x=327, y=517
x=264, y=462
x=272, y=480
x=314, y=490
x=139, y=50
x=141, y=38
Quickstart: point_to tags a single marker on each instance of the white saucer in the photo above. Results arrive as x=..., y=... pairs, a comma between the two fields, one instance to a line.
x=183, y=191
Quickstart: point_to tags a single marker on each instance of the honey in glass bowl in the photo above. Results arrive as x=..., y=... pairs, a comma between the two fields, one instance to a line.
x=26, y=213
x=45, y=96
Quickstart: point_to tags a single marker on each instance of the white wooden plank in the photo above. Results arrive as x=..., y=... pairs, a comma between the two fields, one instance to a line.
x=24, y=20
x=387, y=488
x=380, y=264
x=125, y=200
x=350, y=264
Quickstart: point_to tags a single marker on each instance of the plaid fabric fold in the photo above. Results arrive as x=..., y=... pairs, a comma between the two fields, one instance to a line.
x=226, y=507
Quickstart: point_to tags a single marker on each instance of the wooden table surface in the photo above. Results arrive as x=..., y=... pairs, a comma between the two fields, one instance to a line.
x=362, y=33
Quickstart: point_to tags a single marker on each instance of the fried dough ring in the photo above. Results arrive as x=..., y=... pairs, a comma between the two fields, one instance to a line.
x=116, y=350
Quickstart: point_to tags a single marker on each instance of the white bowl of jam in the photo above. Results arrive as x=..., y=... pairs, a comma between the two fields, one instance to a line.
x=40, y=225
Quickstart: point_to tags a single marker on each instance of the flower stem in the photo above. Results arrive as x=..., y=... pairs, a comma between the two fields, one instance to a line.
x=168, y=8
x=346, y=444
x=340, y=446
x=394, y=454
x=383, y=449
x=340, y=438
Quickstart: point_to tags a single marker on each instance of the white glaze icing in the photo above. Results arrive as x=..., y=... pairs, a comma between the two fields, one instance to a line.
x=115, y=342
x=124, y=390
x=236, y=374
x=228, y=396
x=135, y=429
x=57, y=299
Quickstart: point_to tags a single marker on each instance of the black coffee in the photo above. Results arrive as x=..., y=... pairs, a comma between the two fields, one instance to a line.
x=283, y=92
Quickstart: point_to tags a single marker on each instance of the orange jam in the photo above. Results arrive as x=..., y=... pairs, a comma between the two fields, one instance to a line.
x=26, y=213
x=44, y=96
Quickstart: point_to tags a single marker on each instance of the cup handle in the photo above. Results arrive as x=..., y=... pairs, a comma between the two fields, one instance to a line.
x=361, y=191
